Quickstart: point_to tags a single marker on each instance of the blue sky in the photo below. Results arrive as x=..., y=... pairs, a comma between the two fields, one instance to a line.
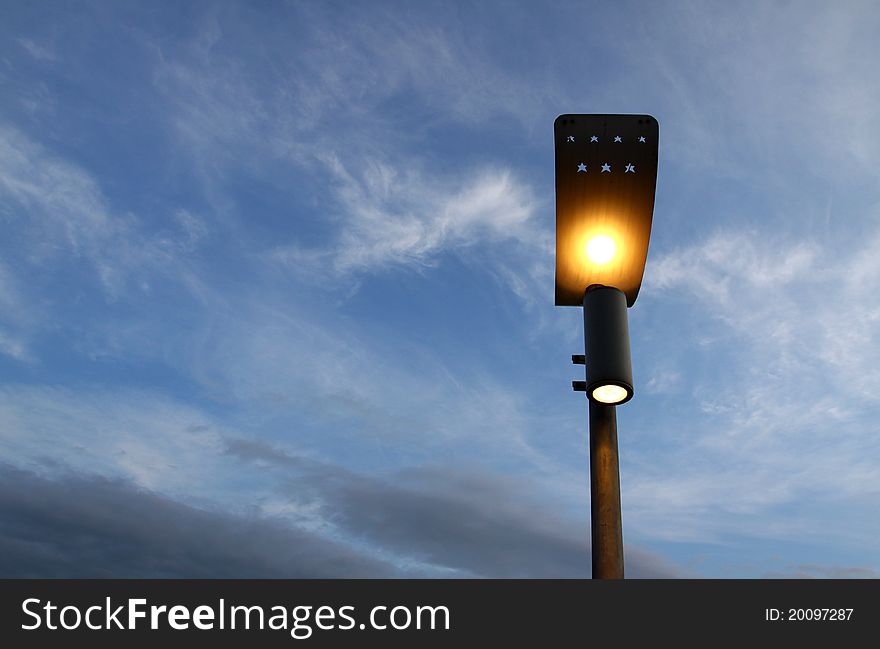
x=276, y=289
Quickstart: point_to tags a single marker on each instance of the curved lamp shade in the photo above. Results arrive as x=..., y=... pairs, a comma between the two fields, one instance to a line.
x=606, y=174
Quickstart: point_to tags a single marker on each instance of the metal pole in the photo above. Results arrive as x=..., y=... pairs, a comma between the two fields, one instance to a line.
x=605, y=493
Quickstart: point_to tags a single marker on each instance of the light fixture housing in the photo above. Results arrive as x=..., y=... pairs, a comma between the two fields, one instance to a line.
x=606, y=176
x=606, y=338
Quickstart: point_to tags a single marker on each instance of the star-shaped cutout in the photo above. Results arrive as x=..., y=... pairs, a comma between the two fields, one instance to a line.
x=606, y=167
x=617, y=138
x=630, y=169
x=642, y=139
x=570, y=138
x=582, y=167
x=595, y=138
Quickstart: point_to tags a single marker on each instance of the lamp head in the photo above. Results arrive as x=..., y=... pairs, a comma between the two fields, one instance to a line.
x=606, y=174
x=606, y=342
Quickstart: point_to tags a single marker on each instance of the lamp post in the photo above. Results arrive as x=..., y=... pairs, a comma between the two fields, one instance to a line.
x=606, y=176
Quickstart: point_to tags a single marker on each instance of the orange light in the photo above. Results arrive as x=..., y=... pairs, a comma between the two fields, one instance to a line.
x=601, y=249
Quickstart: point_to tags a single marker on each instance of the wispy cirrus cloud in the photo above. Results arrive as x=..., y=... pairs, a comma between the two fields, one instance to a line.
x=388, y=218
x=17, y=316
x=788, y=418
x=389, y=204
x=40, y=52
x=62, y=222
x=57, y=203
x=801, y=304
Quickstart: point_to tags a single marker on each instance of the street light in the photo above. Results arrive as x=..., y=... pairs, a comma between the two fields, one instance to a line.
x=606, y=176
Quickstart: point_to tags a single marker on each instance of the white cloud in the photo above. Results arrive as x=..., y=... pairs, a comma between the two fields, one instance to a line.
x=664, y=381
x=327, y=91
x=800, y=305
x=153, y=441
x=774, y=97
x=393, y=218
x=62, y=219
x=319, y=116
x=788, y=417
x=13, y=347
x=62, y=203
x=369, y=395
x=17, y=317
x=36, y=50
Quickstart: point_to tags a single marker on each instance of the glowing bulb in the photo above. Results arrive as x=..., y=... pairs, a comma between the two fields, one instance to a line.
x=610, y=394
x=601, y=249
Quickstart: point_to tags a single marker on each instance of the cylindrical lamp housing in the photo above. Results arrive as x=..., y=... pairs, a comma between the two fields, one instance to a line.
x=606, y=334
